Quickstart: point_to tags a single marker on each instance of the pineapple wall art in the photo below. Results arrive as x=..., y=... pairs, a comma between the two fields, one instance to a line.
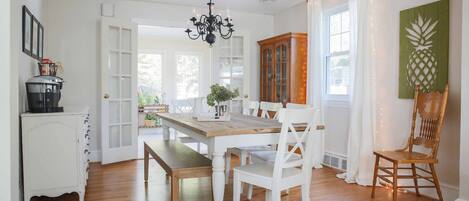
x=424, y=40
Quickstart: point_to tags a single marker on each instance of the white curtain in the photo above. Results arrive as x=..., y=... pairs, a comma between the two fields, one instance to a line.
x=363, y=119
x=315, y=78
x=379, y=121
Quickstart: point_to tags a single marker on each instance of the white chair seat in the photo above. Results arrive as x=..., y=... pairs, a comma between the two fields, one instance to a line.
x=265, y=170
x=269, y=156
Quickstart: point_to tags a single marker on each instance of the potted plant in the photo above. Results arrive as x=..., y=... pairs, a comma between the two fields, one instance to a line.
x=150, y=120
x=218, y=98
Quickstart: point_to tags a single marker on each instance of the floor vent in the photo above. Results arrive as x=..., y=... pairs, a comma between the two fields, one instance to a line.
x=335, y=161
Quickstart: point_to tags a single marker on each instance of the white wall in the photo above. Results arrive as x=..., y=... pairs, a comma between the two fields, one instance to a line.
x=464, y=151
x=5, y=126
x=394, y=115
x=23, y=67
x=72, y=34
x=170, y=47
x=294, y=19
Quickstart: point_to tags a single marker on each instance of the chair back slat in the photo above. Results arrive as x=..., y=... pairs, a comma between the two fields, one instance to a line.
x=428, y=118
x=302, y=141
x=298, y=106
x=250, y=108
x=267, y=107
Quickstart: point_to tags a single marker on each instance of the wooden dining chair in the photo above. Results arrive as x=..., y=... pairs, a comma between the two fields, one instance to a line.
x=287, y=171
x=427, y=121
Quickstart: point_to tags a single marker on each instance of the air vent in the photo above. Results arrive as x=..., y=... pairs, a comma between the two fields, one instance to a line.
x=336, y=161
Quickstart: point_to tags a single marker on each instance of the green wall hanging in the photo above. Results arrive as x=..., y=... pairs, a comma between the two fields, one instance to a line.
x=424, y=44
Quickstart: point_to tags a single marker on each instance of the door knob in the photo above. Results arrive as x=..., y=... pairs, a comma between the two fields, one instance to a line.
x=106, y=96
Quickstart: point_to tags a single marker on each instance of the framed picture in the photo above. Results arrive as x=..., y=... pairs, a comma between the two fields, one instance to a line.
x=35, y=41
x=27, y=35
x=40, y=42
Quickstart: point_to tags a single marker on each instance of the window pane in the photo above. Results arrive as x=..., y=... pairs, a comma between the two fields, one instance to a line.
x=335, y=43
x=345, y=21
x=346, y=41
x=187, y=76
x=225, y=67
x=238, y=67
x=338, y=75
x=335, y=24
x=149, y=78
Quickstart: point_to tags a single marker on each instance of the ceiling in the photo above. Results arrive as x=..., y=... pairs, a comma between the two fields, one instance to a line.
x=252, y=6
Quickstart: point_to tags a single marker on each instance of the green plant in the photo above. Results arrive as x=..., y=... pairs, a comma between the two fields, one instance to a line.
x=220, y=94
x=150, y=116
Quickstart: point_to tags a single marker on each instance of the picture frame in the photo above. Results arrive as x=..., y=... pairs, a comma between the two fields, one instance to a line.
x=27, y=26
x=32, y=35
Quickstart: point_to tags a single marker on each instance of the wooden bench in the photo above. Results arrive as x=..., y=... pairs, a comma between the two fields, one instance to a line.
x=178, y=160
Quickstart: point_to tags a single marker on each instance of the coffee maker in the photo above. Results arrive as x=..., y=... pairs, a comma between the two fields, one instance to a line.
x=44, y=94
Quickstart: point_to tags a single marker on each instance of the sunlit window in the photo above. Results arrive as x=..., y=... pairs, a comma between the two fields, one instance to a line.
x=187, y=76
x=338, y=71
x=149, y=78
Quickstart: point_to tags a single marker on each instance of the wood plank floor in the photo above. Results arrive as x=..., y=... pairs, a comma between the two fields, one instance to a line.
x=124, y=182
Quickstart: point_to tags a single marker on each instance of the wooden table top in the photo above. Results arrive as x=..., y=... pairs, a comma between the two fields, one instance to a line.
x=238, y=125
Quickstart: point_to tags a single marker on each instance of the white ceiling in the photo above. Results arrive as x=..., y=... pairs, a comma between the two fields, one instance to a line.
x=252, y=6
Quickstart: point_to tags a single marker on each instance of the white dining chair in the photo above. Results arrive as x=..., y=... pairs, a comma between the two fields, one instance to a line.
x=288, y=170
x=186, y=106
x=267, y=107
x=250, y=108
x=244, y=152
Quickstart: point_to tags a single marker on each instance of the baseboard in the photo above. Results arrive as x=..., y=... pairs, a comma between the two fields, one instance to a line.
x=95, y=156
x=460, y=199
x=450, y=192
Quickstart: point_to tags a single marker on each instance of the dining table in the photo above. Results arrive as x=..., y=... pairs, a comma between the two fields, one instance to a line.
x=239, y=131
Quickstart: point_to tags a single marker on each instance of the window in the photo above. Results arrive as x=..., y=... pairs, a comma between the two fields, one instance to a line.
x=149, y=78
x=187, y=76
x=338, y=72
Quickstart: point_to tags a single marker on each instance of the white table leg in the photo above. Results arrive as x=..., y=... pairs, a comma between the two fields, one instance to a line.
x=218, y=176
x=166, y=133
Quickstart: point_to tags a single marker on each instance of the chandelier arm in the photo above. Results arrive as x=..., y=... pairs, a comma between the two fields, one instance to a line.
x=193, y=38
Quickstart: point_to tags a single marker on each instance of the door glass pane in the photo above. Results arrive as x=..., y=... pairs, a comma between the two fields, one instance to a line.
x=238, y=46
x=114, y=113
x=225, y=67
x=126, y=40
x=278, y=72
x=114, y=38
x=269, y=74
x=238, y=68
x=126, y=63
x=114, y=87
x=126, y=87
x=114, y=136
x=113, y=63
x=126, y=111
x=237, y=84
x=187, y=76
x=225, y=82
x=126, y=135
x=150, y=82
x=224, y=48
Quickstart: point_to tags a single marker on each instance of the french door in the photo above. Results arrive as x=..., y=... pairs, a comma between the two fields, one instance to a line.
x=119, y=114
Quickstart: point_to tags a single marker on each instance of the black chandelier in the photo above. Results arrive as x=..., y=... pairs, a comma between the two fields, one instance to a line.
x=208, y=25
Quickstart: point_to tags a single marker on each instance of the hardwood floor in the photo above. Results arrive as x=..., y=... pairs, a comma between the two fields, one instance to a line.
x=124, y=182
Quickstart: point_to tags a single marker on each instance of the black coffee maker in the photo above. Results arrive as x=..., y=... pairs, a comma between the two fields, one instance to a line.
x=44, y=94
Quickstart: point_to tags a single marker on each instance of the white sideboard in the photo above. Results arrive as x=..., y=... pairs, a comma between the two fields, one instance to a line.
x=55, y=152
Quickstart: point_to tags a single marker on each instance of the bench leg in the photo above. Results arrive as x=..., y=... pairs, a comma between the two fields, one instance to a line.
x=174, y=188
x=146, y=157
